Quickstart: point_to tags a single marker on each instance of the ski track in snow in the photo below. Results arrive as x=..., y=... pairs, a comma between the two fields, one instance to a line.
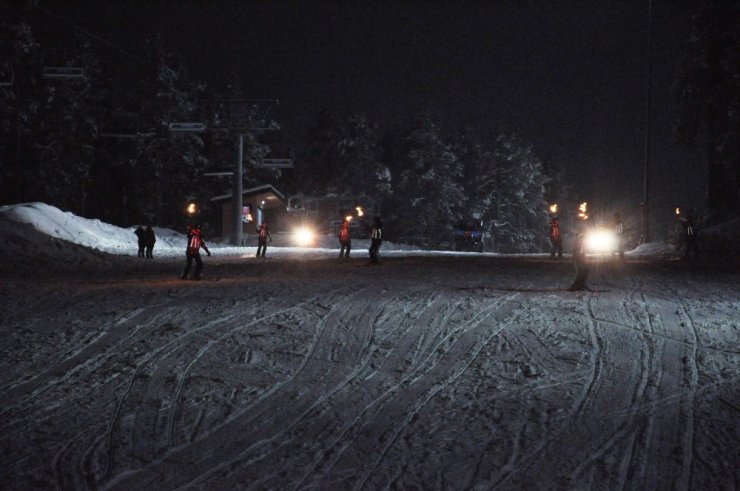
x=321, y=375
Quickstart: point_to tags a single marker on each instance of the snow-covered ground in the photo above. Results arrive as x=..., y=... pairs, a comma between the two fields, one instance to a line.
x=433, y=371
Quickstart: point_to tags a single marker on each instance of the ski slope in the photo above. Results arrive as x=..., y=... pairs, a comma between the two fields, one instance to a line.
x=433, y=371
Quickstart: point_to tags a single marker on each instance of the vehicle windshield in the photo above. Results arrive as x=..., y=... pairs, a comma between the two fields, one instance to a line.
x=468, y=225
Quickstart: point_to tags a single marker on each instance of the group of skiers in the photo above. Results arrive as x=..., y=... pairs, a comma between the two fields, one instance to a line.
x=688, y=240
x=376, y=240
x=195, y=243
x=579, y=248
x=146, y=240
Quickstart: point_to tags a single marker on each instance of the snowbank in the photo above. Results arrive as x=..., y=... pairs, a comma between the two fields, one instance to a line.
x=33, y=231
x=652, y=249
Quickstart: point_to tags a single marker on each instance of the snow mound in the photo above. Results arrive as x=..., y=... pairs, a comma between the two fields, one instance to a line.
x=46, y=222
x=52, y=222
x=652, y=249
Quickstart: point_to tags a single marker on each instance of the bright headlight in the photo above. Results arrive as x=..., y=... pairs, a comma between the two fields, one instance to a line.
x=600, y=241
x=303, y=237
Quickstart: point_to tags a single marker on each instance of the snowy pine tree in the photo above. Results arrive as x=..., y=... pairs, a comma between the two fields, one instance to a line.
x=427, y=194
x=48, y=122
x=505, y=186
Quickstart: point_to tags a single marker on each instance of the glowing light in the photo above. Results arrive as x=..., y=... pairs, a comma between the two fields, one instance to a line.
x=192, y=208
x=348, y=218
x=678, y=211
x=601, y=241
x=303, y=237
x=583, y=211
x=360, y=211
x=554, y=208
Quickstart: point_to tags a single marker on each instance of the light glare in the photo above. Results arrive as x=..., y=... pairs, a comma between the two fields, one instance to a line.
x=600, y=241
x=303, y=237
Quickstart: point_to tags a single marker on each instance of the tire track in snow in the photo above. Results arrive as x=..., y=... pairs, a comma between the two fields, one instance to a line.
x=181, y=341
x=462, y=348
x=596, y=397
x=692, y=367
x=635, y=469
x=87, y=358
x=624, y=428
x=355, y=377
x=670, y=387
x=199, y=355
x=239, y=423
x=170, y=346
x=313, y=400
x=434, y=316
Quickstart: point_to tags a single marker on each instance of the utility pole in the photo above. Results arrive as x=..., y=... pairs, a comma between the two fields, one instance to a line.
x=645, y=208
x=238, y=203
x=237, y=116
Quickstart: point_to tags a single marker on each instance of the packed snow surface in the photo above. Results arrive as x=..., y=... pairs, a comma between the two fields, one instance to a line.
x=303, y=371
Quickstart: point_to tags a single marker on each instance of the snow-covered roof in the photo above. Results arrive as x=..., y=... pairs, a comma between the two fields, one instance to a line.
x=265, y=192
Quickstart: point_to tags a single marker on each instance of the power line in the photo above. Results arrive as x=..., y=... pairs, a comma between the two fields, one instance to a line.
x=89, y=34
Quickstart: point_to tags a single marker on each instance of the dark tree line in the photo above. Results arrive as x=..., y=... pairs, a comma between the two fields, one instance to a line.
x=102, y=146
x=708, y=91
x=427, y=177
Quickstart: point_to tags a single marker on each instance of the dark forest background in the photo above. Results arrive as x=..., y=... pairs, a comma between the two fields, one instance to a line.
x=97, y=139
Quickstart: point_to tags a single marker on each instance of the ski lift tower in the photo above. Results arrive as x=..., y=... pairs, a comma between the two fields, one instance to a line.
x=237, y=116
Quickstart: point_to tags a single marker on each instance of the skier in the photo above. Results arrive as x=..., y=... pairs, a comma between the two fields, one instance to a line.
x=618, y=227
x=345, y=240
x=689, y=235
x=376, y=239
x=579, y=260
x=195, y=243
x=149, y=240
x=139, y=232
x=555, y=238
x=264, y=234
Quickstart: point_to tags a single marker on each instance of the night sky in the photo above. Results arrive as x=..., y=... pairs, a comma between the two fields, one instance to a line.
x=569, y=77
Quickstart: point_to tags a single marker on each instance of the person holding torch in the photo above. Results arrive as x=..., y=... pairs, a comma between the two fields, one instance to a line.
x=555, y=238
x=345, y=240
x=192, y=252
x=263, y=233
x=579, y=252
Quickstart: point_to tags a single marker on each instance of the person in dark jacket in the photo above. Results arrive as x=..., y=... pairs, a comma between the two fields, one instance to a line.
x=192, y=252
x=618, y=229
x=139, y=232
x=376, y=239
x=149, y=240
x=345, y=240
x=579, y=260
x=689, y=236
x=555, y=238
x=263, y=233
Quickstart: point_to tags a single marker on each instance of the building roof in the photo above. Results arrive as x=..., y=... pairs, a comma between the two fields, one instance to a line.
x=267, y=193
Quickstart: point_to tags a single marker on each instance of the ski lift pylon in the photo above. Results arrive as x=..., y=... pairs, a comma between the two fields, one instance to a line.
x=63, y=73
x=196, y=127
